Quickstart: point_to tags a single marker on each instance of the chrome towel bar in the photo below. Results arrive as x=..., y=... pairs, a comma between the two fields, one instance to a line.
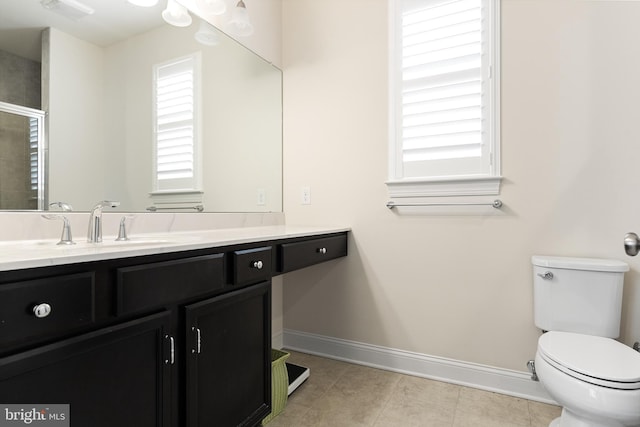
x=495, y=204
x=198, y=208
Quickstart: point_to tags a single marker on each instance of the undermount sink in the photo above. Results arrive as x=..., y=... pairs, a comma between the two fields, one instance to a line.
x=25, y=251
x=83, y=245
x=133, y=241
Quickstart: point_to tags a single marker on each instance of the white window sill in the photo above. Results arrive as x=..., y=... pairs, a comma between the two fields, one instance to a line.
x=176, y=201
x=177, y=196
x=170, y=192
x=449, y=186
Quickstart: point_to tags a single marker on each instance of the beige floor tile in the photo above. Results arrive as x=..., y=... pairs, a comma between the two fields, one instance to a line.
x=291, y=416
x=420, y=402
x=358, y=380
x=324, y=374
x=542, y=413
x=427, y=391
x=346, y=415
x=340, y=394
x=356, y=399
x=472, y=420
x=414, y=413
x=483, y=408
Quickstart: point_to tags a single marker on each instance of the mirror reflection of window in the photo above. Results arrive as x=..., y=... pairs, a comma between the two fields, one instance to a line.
x=176, y=140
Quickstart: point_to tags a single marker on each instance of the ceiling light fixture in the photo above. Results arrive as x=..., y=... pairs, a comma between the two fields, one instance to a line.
x=176, y=14
x=207, y=34
x=212, y=7
x=143, y=3
x=240, y=25
x=71, y=9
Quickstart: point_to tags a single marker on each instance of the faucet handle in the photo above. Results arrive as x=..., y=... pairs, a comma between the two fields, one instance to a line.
x=66, y=238
x=122, y=231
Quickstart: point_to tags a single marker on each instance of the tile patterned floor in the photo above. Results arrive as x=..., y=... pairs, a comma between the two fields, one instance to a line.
x=340, y=394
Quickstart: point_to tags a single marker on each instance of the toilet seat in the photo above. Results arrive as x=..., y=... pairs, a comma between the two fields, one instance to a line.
x=596, y=360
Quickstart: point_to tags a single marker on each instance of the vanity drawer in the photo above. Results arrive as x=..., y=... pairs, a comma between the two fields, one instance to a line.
x=308, y=252
x=48, y=306
x=251, y=265
x=153, y=285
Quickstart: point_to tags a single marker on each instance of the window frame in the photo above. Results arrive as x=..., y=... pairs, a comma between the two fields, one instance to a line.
x=195, y=186
x=446, y=185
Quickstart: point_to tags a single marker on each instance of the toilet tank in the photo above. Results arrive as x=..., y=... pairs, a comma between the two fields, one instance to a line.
x=582, y=295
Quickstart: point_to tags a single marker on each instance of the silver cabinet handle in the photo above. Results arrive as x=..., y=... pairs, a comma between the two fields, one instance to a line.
x=322, y=250
x=172, y=351
x=198, y=340
x=42, y=310
x=258, y=264
x=547, y=275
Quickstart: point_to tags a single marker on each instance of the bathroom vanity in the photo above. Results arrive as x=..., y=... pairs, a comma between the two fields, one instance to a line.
x=156, y=333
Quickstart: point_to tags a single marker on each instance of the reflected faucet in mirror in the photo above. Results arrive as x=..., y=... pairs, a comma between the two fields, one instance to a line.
x=66, y=207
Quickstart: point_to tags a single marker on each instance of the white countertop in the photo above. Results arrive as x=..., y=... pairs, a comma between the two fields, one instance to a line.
x=21, y=254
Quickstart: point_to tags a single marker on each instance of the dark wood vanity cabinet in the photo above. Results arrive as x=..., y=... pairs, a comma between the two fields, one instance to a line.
x=115, y=376
x=228, y=354
x=174, y=339
x=228, y=358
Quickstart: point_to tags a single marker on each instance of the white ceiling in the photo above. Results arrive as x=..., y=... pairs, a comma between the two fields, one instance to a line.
x=21, y=22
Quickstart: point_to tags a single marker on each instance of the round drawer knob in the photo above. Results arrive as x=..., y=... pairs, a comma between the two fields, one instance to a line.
x=322, y=250
x=42, y=310
x=258, y=265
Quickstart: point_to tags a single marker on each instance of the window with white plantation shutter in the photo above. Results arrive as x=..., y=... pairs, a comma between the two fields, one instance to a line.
x=176, y=102
x=444, y=97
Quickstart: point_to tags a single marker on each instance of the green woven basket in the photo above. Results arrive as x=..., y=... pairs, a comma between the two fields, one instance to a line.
x=279, y=383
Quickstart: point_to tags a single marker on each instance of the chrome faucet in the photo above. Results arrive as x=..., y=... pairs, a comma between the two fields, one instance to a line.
x=62, y=205
x=95, y=220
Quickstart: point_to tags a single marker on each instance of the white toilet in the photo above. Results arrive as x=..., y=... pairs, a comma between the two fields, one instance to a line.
x=595, y=378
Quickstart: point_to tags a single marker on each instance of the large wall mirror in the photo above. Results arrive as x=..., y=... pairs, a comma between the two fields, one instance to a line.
x=96, y=78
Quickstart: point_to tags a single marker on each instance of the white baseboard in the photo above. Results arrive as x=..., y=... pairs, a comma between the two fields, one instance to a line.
x=277, y=340
x=504, y=381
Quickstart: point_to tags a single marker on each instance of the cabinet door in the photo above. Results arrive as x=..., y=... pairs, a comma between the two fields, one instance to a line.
x=229, y=358
x=116, y=376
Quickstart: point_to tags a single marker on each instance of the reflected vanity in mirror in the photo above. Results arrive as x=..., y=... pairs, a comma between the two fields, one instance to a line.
x=106, y=134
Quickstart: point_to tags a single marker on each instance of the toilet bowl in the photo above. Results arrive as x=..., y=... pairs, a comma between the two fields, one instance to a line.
x=595, y=379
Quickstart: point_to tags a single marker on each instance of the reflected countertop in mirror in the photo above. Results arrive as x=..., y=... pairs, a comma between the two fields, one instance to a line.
x=100, y=128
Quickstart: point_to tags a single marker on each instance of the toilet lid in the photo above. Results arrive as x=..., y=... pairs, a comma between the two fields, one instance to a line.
x=597, y=360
